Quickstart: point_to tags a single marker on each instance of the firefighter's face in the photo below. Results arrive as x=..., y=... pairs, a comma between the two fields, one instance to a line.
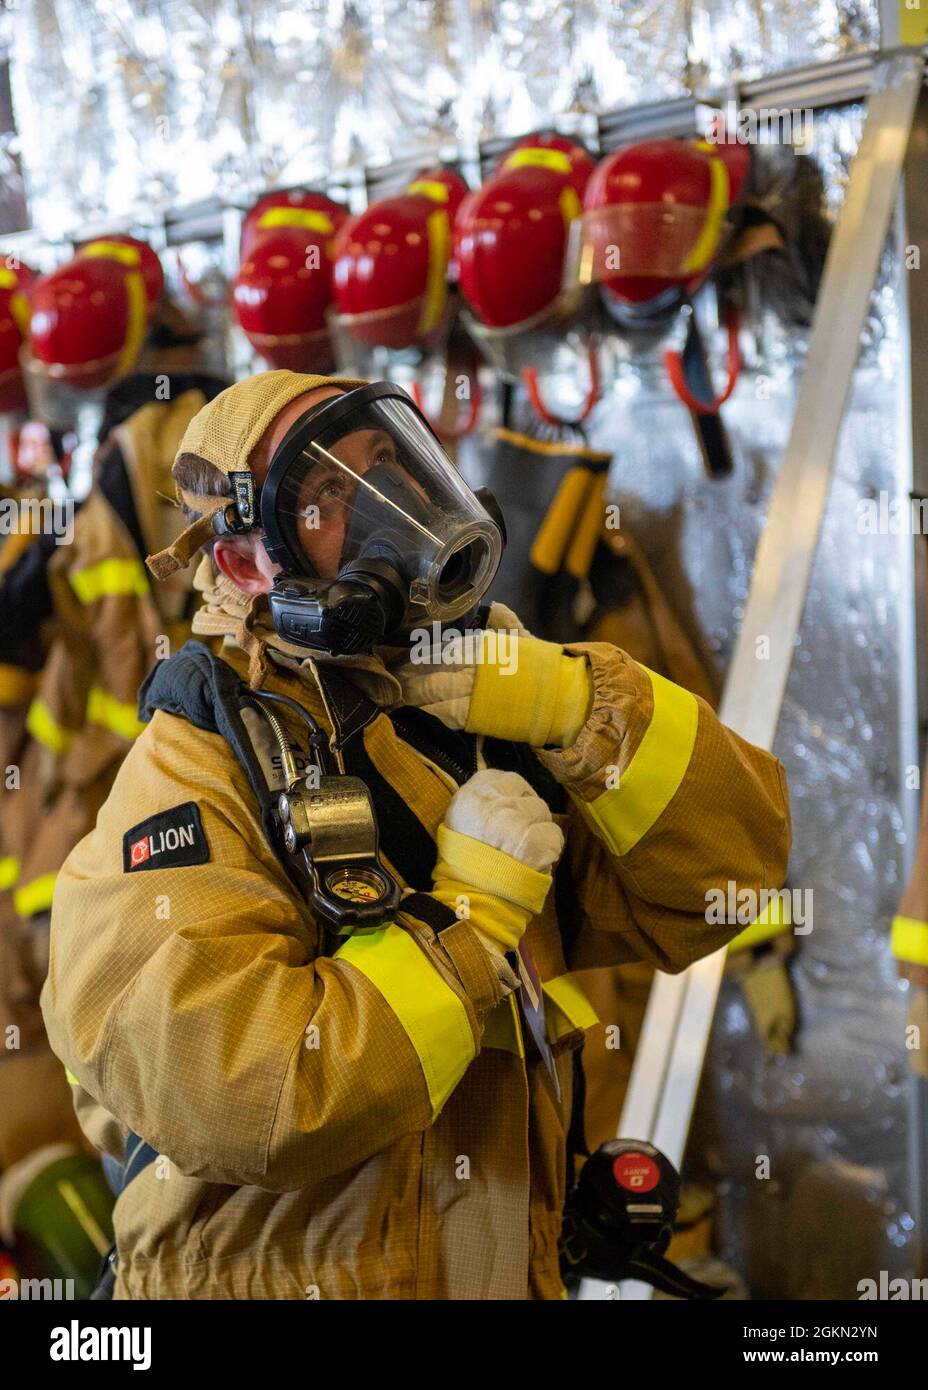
x=327, y=495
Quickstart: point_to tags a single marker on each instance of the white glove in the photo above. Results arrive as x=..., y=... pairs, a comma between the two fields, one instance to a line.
x=502, y=810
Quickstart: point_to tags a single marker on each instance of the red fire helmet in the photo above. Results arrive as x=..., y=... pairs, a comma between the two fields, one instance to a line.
x=298, y=209
x=15, y=287
x=510, y=241
x=89, y=318
x=654, y=218
x=392, y=261
x=546, y=150
x=280, y=296
x=133, y=253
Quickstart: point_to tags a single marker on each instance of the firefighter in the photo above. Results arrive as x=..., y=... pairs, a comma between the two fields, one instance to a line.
x=321, y=955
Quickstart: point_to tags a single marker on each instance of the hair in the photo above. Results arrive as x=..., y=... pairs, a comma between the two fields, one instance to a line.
x=202, y=479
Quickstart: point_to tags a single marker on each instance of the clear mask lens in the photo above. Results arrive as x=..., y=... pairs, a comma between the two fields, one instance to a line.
x=375, y=488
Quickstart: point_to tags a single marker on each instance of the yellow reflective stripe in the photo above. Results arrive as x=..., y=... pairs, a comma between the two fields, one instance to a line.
x=108, y=579
x=22, y=313
x=35, y=896
x=708, y=239
x=503, y=1028
x=572, y=1009
x=910, y=940
x=532, y=155
x=569, y=204
x=622, y=815
x=430, y=1013
x=44, y=727
x=308, y=218
x=72, y=1079
x=16, y=684
x=113, y=251
x=9, y=871
x=429, y=188
x=434, y=299
x=559, y=521
x=136, y=323
x=775, y=918
x=107, y=712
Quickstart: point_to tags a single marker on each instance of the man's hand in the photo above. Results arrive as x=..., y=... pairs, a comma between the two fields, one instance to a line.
x=496, y=852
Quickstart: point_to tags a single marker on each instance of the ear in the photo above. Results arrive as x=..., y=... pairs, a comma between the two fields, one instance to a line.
x=237, y=559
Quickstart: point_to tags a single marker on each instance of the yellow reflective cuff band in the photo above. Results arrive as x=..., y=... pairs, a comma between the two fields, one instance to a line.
x=910, y=940
x=621, y=816
x=9, y=871
x=310, y=219
x=45, y=729
x=16, y=685
x=571, y=1008
x=35, y=896
x=430, y=1013
x=503, y=921
x=773, y=920
x=519, y=706
x=109, y=579
x=109, y=713
x=71, y=1078
x=489, y=870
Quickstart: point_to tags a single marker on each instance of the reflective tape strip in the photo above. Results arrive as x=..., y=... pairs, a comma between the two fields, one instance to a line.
x=44, y=728
x=429, y=188
x=572, y=1009
x=708, y=239
x=35, y=896
x=569, y=204
x=910, y=940
x=531, y=156
x=433, y=301
x=310, y=219
x=9, y=871
x=21, y=311
x=776, y=918
x=109, y=713
x=430, y=1013
x=622, y=815
x=113, y=251
x=16, y=684
x=108, y=579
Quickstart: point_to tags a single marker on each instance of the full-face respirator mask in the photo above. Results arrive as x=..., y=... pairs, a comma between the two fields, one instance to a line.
x=375, y=531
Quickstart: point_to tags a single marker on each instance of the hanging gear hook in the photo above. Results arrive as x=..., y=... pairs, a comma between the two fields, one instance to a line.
x=473, y=414
x=531, y=383
x=689, y=373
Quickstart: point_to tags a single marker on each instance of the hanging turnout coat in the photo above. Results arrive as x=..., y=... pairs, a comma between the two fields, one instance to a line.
x=373, y=1123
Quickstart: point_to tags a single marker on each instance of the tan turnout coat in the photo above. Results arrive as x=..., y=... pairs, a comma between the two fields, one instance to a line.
x=328, y=1161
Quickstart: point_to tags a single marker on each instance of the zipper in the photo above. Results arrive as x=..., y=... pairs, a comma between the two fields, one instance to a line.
x=455, y=768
